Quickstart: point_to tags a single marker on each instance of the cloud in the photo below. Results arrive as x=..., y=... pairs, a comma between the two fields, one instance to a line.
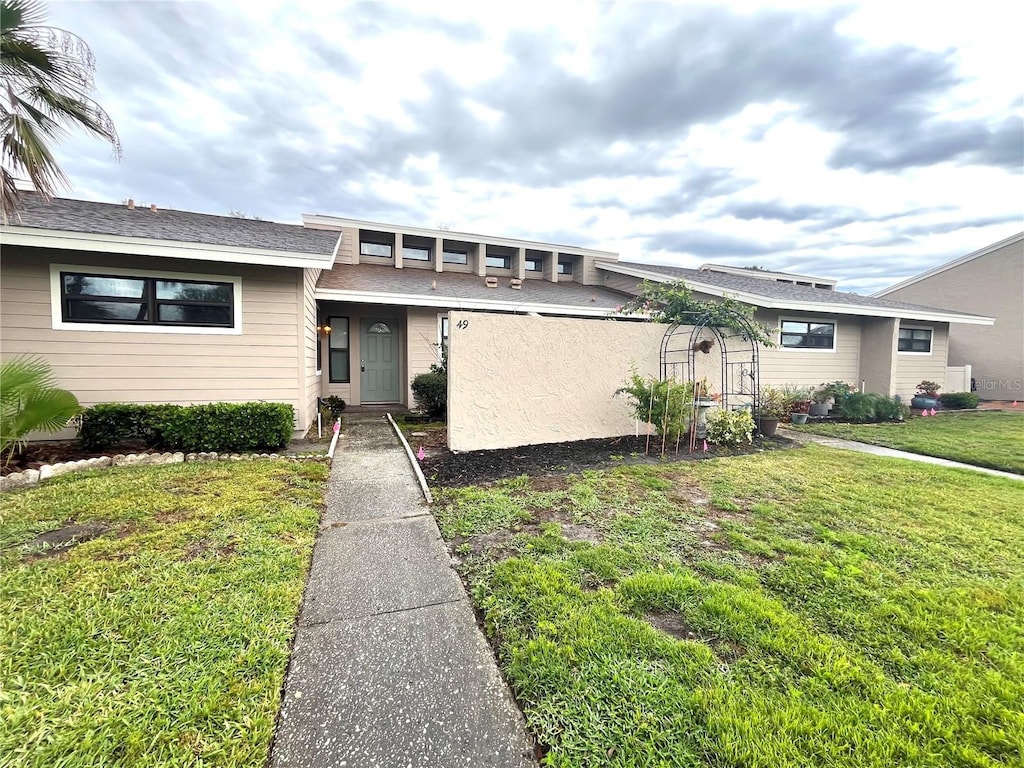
x=665, y=130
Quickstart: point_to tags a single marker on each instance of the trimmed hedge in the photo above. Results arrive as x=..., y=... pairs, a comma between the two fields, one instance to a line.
x=957, y=400
x=430, y=391
x=192, y=428
x=110, y=425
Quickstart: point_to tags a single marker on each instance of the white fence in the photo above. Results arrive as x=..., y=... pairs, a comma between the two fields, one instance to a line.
x=958, y=378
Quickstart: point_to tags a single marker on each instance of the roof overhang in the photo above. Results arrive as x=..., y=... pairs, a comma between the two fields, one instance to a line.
x=452, y=302
x=768, y=302
x=336, y=222
x=142, y=246
x=950, y=264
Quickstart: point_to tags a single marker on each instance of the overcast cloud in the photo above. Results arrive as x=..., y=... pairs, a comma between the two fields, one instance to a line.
x=863, y=142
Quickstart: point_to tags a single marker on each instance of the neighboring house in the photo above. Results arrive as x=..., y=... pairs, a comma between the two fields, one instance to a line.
x=822, y=334
x=989, y=281
x=139, y=304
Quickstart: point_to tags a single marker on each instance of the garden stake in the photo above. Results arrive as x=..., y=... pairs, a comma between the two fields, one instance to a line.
x=664, y=419
x=650, y=405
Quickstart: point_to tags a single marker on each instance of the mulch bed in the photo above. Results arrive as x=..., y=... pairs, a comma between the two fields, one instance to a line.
x=443, y=468
x=37, y=454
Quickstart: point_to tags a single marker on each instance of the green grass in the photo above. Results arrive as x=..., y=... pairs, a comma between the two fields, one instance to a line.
x=164, y=641
x=811, y=607
x=984, y=438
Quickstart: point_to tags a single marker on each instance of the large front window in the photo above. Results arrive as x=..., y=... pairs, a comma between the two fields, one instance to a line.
x=129, y=300
x=338, y=346
x=811, y=334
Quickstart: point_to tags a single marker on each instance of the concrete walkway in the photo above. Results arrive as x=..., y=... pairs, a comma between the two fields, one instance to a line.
x=878, y=450
x=389, y=667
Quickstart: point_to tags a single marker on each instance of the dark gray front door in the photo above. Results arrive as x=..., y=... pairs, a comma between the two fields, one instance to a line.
x=378, y=380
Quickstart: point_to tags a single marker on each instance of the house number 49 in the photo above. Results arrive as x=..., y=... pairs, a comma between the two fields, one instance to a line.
x=462, y=324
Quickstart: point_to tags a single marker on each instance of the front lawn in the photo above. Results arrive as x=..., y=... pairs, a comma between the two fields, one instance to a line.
x=812, y=607
x=146, y=612
x=992, y=439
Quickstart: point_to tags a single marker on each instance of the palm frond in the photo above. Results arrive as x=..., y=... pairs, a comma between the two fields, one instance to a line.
x=31, y=401
x=47, y=76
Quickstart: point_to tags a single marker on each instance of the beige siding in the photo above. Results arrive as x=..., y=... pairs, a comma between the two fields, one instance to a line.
x=516, y=380
x=990, y=285
x=912, y=369
x=107, y=366
x=810, y=367
x=623, y=283
x=309, y=339
x=421, y=351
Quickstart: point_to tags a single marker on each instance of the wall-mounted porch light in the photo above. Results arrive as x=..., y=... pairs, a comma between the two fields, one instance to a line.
x=324, y=330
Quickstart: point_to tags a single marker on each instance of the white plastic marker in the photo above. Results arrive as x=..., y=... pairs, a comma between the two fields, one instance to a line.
x=334, y=440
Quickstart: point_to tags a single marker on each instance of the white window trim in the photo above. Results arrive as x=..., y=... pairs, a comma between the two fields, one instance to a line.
x=816, y=350
x=57, y=301
x=931, y=349
x=441, y=317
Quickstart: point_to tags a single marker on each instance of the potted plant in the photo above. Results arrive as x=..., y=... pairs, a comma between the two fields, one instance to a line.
x=821, y=401
x=770, y=410
x=798, y=402
x=831, y=394
x=703, y=402
x=927, y=396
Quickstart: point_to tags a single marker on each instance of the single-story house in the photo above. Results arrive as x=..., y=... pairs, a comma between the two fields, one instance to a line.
x=141, y=304
x=821, y=334
x=989, y=281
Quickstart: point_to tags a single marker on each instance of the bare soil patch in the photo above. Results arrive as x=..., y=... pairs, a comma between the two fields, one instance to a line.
x=205, y=547
x=60, y=540
x=446, y=469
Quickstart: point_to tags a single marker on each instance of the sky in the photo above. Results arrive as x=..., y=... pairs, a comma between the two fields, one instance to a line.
x=865, y=142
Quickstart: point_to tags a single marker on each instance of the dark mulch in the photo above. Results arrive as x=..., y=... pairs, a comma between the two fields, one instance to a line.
x=446, y=469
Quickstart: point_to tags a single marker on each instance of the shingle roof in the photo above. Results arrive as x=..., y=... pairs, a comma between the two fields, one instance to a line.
x=67, y=215
x=371, y=278
x=773, y=289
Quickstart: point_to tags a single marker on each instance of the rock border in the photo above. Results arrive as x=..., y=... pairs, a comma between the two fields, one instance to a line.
x=32, y=477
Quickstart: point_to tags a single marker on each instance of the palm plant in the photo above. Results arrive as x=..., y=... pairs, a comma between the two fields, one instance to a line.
x=47, y=75
x=30, y=401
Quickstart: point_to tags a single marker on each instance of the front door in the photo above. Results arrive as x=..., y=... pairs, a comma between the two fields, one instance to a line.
x=379, y=361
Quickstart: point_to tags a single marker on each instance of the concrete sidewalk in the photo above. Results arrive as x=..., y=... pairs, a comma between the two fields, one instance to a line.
x=388, y=666
x=878, y=450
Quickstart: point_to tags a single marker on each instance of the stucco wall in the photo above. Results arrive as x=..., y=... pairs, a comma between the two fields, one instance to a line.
x=991, y=285
x=518, y=380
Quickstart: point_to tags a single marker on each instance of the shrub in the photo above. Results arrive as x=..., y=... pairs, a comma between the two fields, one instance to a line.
x=214, y=427
x=958, y=400
x=111, y=425
x=30, y=400
x=430, y=391
x=928, y=388
x=229, y=426
x=333, y=406
x=730, y=427
x=836, y=391
x=665, y=403
x=798, y=398
x=863, y=408
x=772, y=403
